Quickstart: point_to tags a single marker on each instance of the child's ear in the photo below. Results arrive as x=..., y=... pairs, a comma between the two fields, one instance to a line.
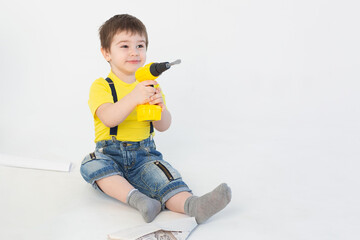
x=106, y=54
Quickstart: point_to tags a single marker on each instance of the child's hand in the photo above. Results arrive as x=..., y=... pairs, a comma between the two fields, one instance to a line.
x=157, y=99
x=144, y=91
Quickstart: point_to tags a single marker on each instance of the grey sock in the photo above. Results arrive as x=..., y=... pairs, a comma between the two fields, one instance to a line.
x=148, y=207
x=202, y=208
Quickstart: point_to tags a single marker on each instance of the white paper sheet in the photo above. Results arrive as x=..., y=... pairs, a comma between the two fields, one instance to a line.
x=23, y=162
x=180, y=229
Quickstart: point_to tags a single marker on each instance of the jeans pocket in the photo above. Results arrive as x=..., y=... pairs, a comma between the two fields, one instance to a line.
x=107, y=150
x=157, y=174
x=89, y=157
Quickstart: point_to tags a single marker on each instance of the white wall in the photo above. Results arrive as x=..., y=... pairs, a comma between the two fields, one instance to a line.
x=252, y=71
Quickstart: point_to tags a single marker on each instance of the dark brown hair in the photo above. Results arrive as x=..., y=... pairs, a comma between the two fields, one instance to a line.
x=119, y=23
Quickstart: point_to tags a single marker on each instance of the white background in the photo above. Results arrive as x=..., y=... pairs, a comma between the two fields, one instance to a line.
x=266, y=99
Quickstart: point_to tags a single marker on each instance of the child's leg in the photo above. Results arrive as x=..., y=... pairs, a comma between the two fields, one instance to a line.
x=202, y=208
x=177, y=202
x=115, y=186
x=119, y=188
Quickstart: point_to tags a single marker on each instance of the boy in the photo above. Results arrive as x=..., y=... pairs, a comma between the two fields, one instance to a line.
x=126, y=164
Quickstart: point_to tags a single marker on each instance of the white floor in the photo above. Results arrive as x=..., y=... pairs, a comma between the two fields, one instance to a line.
x=286, y=185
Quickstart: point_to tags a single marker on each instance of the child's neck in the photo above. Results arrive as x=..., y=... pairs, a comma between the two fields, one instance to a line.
x=124, y=77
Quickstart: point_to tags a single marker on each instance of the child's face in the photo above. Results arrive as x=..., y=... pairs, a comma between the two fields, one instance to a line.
x=127, y=53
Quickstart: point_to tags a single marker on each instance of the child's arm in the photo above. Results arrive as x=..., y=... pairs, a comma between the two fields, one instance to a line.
x=165, y=121
x=112, y=114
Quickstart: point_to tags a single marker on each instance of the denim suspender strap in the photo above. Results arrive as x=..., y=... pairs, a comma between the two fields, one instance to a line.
x=114, y=130
x=151, y=128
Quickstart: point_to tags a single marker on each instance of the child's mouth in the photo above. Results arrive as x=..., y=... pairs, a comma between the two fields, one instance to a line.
x=134, y=61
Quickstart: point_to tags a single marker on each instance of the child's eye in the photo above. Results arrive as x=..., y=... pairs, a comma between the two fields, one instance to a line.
x=140, y=46
x=124, y=46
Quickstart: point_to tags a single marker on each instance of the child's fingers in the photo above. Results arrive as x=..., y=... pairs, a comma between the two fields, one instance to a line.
x=151, y=91
x=156, y=100
x=149, y=83
x=156, y=96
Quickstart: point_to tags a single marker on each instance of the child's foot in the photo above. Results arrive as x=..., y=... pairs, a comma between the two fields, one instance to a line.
x=148, y=207
x=202, y=208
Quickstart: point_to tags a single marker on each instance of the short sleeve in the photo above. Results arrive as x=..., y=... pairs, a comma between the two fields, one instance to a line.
x=100, y=93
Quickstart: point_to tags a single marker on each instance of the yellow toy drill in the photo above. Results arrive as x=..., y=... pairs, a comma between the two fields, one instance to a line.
x=151, y=71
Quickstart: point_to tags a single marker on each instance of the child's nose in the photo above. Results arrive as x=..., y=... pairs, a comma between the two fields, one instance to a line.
x=134, y=51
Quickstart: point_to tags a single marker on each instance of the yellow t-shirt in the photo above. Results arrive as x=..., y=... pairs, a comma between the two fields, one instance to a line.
x=130, y=129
